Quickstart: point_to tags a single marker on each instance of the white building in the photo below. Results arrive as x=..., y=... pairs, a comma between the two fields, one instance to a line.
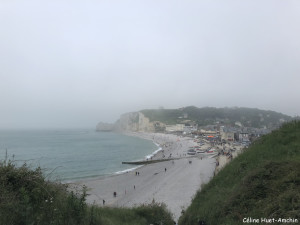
x=175, y=128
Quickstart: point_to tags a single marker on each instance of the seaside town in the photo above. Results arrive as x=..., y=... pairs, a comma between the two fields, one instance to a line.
x=189, y=156
x=217, y=131
x=215, y=140
x=218, y=135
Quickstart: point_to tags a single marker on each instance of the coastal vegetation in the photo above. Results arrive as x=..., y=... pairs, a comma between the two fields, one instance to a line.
x=210, y=115
x=28, y=198
x=263, y=182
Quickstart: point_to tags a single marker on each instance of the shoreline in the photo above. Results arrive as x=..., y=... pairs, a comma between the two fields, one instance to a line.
x=119, y=172
x=173, y=182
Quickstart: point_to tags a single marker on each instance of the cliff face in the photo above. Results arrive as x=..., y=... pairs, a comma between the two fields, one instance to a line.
x=127, y=122
x=135, y=122
x=144, y=124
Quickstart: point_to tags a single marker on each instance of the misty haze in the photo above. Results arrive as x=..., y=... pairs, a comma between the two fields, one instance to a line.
x=70, y=64
x=149, y=112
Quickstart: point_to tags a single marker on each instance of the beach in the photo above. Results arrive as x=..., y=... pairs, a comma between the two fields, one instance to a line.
x=172, y=182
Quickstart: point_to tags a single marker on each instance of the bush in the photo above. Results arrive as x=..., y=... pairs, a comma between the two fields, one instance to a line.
x=27, y=198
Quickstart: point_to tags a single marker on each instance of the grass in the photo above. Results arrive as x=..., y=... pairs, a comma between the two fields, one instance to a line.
x=262, y=182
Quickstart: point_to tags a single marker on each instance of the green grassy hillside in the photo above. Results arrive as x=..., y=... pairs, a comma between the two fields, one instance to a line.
x=27, y=198
x=208, y=115
x=263, y=182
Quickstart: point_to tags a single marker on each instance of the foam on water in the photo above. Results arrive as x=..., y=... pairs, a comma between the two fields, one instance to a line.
x=155, y=152
x=127, y=170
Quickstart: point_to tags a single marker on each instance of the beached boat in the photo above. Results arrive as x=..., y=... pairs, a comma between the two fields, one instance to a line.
x=211, y=150
x=191, y=153
x=200, y=151
x=210, y=153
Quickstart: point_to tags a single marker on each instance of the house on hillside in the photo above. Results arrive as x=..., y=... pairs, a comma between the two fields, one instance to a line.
x=227, y=133
x=206, y=132
x=244, y=137
x=209, y=130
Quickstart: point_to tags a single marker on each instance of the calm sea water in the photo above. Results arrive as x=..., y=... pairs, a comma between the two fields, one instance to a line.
x=74, y=154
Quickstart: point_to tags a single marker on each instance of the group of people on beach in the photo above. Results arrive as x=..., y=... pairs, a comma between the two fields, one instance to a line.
x=168, y=150
x=115, y=193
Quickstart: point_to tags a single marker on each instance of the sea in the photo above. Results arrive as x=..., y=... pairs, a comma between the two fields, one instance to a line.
x=74, y=154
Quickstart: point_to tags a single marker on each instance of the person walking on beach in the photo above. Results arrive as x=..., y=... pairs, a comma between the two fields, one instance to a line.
x=165, y=169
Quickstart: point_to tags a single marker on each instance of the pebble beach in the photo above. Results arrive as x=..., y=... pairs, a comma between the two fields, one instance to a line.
x=173, y=182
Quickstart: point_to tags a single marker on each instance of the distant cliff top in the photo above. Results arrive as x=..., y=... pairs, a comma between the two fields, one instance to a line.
x=248, y=117
x=210, y=115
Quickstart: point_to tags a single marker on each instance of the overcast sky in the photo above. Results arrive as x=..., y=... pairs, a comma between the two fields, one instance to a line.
x=68, y=63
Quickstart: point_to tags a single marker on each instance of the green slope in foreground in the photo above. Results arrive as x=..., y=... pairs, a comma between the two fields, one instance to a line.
x=27, y=198
x=263, y=182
